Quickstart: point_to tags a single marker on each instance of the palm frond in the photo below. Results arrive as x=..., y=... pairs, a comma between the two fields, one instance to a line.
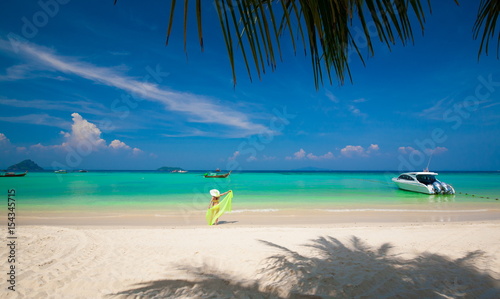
x=487, y=17
x=325, y=28
x=328, y=29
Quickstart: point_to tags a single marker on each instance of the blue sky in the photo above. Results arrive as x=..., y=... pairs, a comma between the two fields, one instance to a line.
x=89, y=85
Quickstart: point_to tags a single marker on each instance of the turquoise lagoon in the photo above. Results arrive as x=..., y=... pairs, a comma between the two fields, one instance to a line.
x=253, y=191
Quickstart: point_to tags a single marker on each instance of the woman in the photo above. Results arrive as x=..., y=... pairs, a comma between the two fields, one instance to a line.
x=215, y=200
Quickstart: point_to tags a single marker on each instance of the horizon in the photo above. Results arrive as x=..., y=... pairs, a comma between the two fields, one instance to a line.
x=87, y=88
x=303, y=169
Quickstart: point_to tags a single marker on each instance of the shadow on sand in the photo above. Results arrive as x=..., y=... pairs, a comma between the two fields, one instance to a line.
x=335, y=270
x=226, y=222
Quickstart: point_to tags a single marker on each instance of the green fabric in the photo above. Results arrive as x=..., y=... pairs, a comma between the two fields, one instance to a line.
x=216, y=211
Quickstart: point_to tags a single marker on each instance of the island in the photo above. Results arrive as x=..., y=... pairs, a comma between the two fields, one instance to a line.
x=26, y=165
x=171, y=169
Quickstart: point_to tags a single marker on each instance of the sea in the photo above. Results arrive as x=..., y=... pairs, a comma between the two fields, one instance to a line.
x=262, y=191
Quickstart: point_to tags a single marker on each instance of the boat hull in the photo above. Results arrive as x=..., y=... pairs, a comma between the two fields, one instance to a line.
x=413, y=186
x=218, y=175
x=11, y=175
x=422, y=182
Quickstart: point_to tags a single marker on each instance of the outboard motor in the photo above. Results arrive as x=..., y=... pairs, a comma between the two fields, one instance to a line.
x=438, y=188
x=447, y=188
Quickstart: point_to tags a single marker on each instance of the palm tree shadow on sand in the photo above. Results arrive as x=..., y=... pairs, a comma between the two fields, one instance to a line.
x=335, y=270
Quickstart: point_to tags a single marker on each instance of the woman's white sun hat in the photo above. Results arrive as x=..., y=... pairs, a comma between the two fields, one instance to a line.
x=215, y=192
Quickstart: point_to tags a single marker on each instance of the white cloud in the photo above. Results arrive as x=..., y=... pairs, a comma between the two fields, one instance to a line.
x=357, y=150
x=27, y=71
x=37, y=119
x=136, y=151
x=407, y=150
x=42, y=147
x=252, y=158
x=327, y=156
x=439, y=150
x=435, y=151
x=234, y=156
x=6, y=146
x=351, y=150
x=16, y=72
x=117, y=144
x=436, y=111
x=332, y=97
x=61, y=105
x=373, y=148
x=84, y=133
x=65, y=134
x=198, y=108
x=3, y=138
x=298, y=155
x=355, y=111
x=85, y=137
x=4, y=142
x=301, y=154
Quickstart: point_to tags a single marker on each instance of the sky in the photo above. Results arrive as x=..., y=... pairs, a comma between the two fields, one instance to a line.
x=92, y=85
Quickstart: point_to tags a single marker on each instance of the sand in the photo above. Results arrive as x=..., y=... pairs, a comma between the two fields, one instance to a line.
x=239, y=258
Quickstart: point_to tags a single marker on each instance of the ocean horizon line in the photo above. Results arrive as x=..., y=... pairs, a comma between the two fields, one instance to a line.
x=79, y=170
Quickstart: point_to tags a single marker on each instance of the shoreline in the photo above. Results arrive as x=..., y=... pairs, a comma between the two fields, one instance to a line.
x=262, y=217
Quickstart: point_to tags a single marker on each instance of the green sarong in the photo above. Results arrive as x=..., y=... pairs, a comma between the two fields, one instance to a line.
x=216, y=211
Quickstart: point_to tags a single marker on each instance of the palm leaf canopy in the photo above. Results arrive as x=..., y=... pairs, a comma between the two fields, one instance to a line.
x=487, y=17
x=324, y=28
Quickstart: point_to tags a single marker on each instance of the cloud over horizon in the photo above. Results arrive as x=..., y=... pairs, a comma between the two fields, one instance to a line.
x=302, y=155
x=84, y=138
x=357, y=150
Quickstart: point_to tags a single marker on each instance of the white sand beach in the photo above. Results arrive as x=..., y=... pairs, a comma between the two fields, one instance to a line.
x=258, y=260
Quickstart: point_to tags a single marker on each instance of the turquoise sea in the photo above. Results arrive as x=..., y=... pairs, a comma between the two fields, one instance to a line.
x=254, y=191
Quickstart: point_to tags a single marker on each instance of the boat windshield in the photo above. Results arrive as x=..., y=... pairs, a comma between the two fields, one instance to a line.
x=426, y=179
x=405, y=177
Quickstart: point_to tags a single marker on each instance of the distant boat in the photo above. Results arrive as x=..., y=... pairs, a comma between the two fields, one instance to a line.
x=12, y=174
x=82, y=170
x=217, y=170
x=214, y=175
x=60, y=171
x=422, y=182
x=179, y=171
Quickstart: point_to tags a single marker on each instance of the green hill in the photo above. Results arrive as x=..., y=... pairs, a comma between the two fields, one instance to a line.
x=170, y=169
x=25, y=165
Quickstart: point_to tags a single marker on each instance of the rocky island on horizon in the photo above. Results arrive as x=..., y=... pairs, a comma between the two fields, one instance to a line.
x=26, y=165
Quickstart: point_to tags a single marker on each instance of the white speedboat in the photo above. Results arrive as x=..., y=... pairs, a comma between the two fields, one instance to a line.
x=423, y=182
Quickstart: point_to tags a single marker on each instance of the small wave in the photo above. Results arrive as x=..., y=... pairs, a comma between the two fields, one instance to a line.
x=402, y=210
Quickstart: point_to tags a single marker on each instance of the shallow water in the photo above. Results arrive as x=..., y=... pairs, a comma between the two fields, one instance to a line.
x=263, y=191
